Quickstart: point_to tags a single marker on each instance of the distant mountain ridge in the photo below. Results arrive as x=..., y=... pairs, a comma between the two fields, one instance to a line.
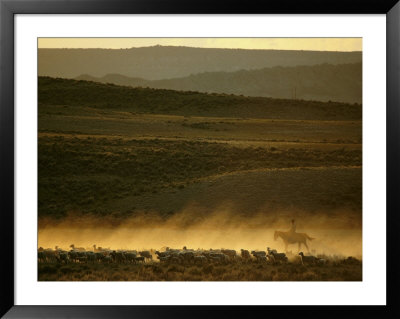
x=324, y=82
x=166, y=62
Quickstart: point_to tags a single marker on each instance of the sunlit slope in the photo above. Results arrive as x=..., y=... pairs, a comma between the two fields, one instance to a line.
x=323, y=191
x=123, y=176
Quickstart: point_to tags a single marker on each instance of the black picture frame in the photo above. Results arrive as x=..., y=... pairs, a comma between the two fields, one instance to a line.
x=8, y=10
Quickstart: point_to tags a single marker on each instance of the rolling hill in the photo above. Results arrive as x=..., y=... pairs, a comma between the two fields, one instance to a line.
x=65, y=92
x=323, y=82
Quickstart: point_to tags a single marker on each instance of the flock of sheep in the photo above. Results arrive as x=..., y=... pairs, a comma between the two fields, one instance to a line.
x=169, y=255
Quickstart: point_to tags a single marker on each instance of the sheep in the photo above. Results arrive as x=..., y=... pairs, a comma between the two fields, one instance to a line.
x=100, y=256
x=82, y=259
x=307, y=259
x=225, y=258
x=185, y=256
x=80, y=254
x=162, y=254
x=146, y=254
x=50, y=255
x=62, y=257
x=281, y=257
x=218, y=257
x=259, y=255
x=351, y=261
x=73, y=255
x=229, y=252
x=41, y=257
x=139, y=259
x=107, y=259
x=163, y=259
x=72, y=246
x=90, y=256
x=262, y=258
x=166, y=256
x=276, y=257
x=215, y=259
x=200, y=259
x=245, y=254
x=173, y=251
x=130, y=257
x=215, y=251
x=271, y=259
x=100, y=249
x=205, y=254
x=117, y=256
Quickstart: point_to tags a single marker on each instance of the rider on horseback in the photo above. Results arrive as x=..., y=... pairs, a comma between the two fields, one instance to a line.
x=291, y=237
x=292, y=227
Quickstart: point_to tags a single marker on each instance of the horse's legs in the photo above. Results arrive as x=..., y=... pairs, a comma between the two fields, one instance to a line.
x=305, y=243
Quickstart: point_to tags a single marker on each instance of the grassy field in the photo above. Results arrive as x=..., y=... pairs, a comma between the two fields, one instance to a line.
x=111, y=154
x=232, y=272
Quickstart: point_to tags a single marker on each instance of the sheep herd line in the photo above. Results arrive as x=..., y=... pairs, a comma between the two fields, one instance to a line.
x=168, y=255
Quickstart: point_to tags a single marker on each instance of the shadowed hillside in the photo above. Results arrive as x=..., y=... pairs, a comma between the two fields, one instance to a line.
x=163, y=62
x=325, y=82
x=64, y=92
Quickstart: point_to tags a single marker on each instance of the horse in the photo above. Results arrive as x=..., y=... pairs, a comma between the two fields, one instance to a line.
x=292, y=238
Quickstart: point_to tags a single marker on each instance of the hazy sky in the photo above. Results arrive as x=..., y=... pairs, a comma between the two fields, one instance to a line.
x=318, y=44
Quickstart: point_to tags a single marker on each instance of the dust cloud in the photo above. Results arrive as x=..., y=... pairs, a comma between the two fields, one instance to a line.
x=336, y=232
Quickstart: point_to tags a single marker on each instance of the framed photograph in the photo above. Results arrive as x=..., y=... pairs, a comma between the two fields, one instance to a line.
x=160, y=155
